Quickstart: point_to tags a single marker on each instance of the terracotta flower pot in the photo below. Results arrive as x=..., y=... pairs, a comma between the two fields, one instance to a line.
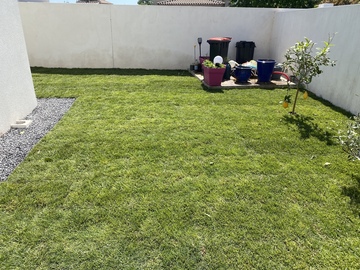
x=201, y=60
x=213, y=76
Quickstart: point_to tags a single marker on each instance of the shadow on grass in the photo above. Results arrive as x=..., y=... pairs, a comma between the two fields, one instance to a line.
x=110, y=71
x=212, y=90
x=308, y=128
x=353, y=192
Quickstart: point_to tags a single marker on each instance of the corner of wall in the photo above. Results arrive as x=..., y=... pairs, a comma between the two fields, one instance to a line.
x=16, y=86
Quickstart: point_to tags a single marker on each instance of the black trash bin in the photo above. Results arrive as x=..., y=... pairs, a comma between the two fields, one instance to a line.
x=219, y=46
x=244, y=51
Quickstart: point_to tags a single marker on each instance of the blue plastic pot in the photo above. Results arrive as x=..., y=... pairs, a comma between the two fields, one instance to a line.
x=265, y=68
x=242, y=74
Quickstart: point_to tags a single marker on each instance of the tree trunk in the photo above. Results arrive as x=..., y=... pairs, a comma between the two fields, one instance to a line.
x=296, y=96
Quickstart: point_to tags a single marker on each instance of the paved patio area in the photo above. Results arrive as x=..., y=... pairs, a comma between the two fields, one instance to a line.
x=230, y=84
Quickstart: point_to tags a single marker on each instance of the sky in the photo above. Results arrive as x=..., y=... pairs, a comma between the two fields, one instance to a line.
x=115, y=2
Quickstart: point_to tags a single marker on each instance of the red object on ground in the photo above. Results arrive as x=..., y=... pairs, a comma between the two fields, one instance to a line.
x=282, y=74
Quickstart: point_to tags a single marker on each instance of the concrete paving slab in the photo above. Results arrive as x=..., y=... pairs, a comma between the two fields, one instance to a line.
x=253, y=83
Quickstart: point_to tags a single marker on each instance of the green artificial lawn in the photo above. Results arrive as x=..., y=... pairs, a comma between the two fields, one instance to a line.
x=148, y=170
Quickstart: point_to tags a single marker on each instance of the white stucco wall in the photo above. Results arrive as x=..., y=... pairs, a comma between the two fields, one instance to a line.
x=67, y=35
x=17, y=96
x=150, y=37
x=160, y=37
x=340, y=84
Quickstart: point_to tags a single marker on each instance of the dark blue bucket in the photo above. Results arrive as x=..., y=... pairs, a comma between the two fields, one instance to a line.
x=265, y=68
x=242, y=74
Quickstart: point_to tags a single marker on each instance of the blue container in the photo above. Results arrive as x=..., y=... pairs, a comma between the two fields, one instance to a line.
x=242, y=74
x=265, y=68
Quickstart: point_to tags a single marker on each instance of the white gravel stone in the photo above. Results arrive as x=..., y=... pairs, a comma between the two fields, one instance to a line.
x=17, y=143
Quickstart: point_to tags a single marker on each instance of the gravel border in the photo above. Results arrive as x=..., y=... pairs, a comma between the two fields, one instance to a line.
x=15, y=144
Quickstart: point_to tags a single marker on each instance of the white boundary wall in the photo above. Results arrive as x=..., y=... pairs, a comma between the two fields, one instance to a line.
x=161, y=37
x=17, y=96
x=340, y=84
x=149, y=37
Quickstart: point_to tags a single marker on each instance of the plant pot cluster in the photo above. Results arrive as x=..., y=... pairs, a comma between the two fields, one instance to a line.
x=214, y=74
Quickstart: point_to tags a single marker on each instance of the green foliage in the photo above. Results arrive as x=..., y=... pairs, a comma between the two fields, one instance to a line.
x=287, y=98
x=301, y=62
x=351, y=140
x=145, y=2
x=275, y=4
x=304, y=65
x=209, y=64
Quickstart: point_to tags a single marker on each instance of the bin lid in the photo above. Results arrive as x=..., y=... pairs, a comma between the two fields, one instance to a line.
x=219, y=39
x=245, y=43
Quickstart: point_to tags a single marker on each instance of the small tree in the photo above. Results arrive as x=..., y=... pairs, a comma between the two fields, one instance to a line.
x=301, y=62
x=351, y=140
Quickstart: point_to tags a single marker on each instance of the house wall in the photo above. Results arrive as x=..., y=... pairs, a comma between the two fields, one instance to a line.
x=340, y=84
x=162, y=37
x=17, y=96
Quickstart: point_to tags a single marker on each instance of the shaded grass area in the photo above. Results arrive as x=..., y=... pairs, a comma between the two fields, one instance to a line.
x=149, y=171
